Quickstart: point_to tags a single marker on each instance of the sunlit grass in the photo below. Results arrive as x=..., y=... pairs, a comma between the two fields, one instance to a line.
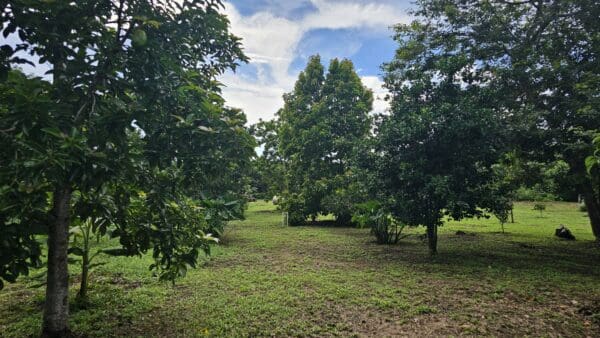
x=268, y=280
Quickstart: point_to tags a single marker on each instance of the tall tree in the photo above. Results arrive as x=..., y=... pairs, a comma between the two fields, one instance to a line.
x=321, y=123
x=118, y=67
x=435, y=150
x=541, y=60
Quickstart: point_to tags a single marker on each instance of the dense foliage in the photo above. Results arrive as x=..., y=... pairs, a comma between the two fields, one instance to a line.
x=127, y=135
x=133, y=110
x=322, y=122
x=436, y=148
x=471, y=78
x=538, y=60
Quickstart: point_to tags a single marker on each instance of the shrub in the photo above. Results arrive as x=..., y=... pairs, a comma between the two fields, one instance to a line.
x=535, y=193
x=383, y=226
x=296, y=209
x=539, y=207
x=583, y=207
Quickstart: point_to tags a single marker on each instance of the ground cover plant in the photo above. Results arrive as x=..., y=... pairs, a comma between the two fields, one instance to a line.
x=265, y=280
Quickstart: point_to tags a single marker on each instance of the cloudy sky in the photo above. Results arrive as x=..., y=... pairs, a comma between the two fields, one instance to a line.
x=280, y=35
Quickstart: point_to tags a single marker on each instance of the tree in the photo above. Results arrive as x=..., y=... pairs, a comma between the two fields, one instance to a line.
x=540, y=59
x=269, y=170
x=118, y=68
x=322, y=122
x=435, y=150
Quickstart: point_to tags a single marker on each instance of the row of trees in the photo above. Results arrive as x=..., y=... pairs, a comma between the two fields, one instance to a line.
x=127, y=135
x=480, y=93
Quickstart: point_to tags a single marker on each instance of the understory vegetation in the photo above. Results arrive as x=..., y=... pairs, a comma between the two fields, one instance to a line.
x=265, y=279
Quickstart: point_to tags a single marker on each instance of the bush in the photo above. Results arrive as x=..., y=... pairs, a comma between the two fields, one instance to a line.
x=295, y=207
x=539, y=207
x=534, y=193
x=383, y=226
x=583, y=207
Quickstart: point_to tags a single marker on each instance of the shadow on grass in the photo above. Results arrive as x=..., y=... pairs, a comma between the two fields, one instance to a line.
x=329, y=223
x=497, y=252
x=273, y=212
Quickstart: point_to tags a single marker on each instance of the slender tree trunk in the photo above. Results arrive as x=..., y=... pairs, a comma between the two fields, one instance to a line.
x=56, y=309
x=512, y=214
x=432, y=238
x=82, y=295
x=593, y=209
x=85, y=262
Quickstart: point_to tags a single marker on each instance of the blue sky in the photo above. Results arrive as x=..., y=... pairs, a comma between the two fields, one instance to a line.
x=280, y=36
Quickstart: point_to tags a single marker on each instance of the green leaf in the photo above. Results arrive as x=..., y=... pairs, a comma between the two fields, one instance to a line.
x=139, y=37
x=76, y=251
x=54, y=132
x=590, y=163
x=115, y=252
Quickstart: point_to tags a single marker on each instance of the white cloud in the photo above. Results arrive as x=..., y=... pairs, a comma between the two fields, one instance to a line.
x=337, y=15
x=271, y=43
x=376, y=85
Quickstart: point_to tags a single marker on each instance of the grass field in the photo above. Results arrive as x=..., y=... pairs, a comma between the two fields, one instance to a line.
x=269, y=280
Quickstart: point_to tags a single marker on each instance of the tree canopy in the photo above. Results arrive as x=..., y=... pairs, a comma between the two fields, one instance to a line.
x=323, y=120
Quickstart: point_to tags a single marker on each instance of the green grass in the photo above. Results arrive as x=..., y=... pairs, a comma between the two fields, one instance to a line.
x=269, y=280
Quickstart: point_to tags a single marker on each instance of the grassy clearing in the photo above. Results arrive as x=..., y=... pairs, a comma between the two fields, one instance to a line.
x=269, y=280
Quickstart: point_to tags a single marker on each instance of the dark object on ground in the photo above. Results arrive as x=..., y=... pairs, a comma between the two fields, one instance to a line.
x=460, y=233
x=563, y=232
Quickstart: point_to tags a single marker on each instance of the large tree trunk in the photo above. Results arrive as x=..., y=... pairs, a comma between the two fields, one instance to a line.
x=593, y=209
x=432, y=238
x=56, y=309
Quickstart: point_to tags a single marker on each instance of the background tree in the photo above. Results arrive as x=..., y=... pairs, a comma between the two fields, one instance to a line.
x=540, y=58
x=322, y=122
x=118, y=68
x=268, y=166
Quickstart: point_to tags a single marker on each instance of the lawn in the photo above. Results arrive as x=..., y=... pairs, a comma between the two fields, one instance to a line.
x=269, y=280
